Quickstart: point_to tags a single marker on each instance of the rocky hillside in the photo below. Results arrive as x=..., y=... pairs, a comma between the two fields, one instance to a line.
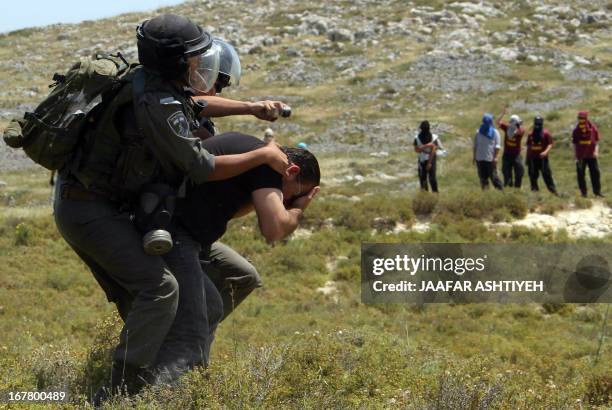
x=360, y=74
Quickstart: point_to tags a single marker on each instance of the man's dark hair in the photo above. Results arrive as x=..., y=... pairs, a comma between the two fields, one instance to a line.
x=309, y=166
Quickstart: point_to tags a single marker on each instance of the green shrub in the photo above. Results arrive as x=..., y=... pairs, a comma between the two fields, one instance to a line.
x=582, y=203
x=424, y=203
x=553, y=116
x=23, y=234
x=483, y=205
x=599, y=390
x=96, y=370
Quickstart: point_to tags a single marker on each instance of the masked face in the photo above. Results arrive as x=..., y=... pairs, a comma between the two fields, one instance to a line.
x=512, y=128
x=538, y=124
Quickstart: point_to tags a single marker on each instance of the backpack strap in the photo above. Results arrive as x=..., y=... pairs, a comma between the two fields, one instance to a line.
x=138, y=91
x=32, y=116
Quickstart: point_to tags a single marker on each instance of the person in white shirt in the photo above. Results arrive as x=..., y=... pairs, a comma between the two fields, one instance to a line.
x=487, y=144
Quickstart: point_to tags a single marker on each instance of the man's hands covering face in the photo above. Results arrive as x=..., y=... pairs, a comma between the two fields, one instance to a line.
x=303, y=201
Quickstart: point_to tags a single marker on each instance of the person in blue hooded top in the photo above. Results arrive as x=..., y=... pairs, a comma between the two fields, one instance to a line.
x=487, y=144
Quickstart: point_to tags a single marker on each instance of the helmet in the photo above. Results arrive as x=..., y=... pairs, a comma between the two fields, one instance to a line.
x=229, y=65
x=202, y=80
x=230, y=62
x=515, y=119
x=165, y=42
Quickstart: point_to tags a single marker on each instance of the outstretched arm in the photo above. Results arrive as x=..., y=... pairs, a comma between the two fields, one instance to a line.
x=501, y=116
x=223, y=107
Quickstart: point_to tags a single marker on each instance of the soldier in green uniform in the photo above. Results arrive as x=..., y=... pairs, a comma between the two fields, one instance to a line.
x=153, y=117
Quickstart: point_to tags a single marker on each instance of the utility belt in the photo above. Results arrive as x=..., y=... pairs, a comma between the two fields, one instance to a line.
x=151, y=215
x=74, y=192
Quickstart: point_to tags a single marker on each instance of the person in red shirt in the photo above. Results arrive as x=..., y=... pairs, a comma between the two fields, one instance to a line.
x=512, y=163
x=539, y=144
x=586, y=140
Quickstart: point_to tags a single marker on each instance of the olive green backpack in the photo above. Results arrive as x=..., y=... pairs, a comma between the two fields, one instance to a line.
x=51, y=134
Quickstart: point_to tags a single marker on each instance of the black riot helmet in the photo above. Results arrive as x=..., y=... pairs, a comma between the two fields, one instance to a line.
x=167, y=41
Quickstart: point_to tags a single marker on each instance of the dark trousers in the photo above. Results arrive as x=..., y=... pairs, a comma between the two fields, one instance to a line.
x=488, y=171
x=200, y=310
x=512, y=170
x=424, y=175
x=593, y=172
x=210, y=289
x=234, y=276
x=534, y=167
x=143, y=286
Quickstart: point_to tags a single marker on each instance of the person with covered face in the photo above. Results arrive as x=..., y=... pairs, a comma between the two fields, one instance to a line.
x=585, y=138
x=426, y=144
x=487, y=144
x=217, y=286
x=539, y=144
x=512, y=163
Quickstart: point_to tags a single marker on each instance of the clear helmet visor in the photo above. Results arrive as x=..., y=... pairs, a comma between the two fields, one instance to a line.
x=229, y=65
x=204, y=77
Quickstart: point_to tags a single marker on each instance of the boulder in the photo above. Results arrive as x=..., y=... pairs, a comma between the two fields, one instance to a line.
x=340, y=35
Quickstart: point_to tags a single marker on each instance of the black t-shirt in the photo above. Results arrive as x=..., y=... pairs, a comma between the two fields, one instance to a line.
x=208, y=207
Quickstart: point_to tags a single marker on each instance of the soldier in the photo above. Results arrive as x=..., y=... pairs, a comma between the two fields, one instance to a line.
x=153, y=115
x=586, y=151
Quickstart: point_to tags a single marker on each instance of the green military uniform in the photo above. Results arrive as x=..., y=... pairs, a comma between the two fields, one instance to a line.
x=109, y=171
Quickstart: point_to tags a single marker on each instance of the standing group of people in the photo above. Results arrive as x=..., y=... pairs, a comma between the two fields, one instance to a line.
x=487, y=145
